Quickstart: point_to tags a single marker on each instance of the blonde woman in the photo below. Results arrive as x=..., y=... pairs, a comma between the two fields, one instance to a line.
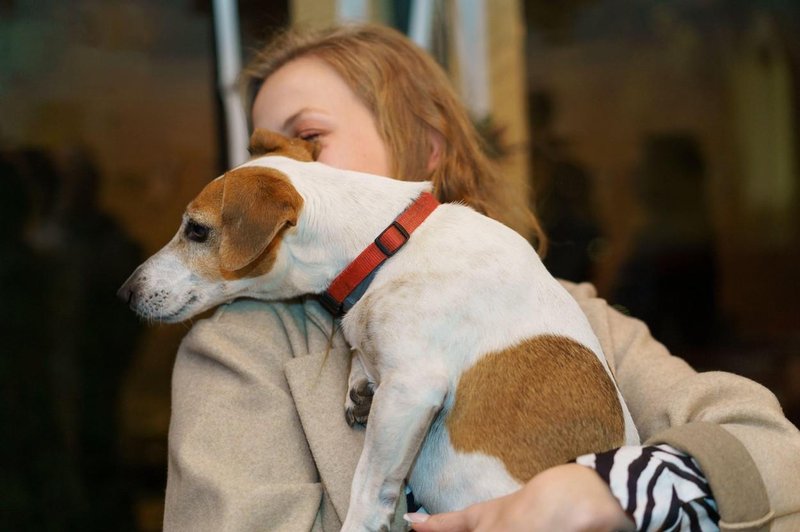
x=258, y=438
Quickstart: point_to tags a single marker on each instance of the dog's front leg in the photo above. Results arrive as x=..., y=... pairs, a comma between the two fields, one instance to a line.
x=403, y=409
x=360, y=391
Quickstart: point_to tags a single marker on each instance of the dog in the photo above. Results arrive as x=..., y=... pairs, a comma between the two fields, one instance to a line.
x=485, y=371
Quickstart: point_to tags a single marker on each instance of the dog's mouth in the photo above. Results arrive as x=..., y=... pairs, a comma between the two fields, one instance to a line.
x=177, y=315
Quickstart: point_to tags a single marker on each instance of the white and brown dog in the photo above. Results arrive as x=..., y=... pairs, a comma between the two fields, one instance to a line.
x=485, y=371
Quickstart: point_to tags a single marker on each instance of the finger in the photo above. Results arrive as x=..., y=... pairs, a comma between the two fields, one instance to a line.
x=447, y=522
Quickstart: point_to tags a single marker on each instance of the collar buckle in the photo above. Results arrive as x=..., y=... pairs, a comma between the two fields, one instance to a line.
x=352, y=282
x=388, y=244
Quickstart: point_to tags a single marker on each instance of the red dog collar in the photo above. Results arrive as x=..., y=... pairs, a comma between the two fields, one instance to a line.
x=352, y=282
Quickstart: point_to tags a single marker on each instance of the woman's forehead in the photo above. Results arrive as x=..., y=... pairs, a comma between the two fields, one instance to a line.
x=303, y=83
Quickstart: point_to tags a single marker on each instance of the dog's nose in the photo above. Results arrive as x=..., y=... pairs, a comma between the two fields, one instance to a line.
x=126, y=292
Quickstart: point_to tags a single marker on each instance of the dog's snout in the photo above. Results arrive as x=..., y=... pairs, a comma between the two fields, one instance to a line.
x=127, y=292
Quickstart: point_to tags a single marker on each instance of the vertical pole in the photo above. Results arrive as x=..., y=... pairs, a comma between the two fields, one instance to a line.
x=352, y=10
x=229, y=64
x=472, y=48
x=420, y=26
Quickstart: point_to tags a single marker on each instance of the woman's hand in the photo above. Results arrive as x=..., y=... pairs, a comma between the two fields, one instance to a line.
x=569, y=497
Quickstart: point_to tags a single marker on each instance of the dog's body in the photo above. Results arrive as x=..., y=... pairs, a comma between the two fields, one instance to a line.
x=485, y=370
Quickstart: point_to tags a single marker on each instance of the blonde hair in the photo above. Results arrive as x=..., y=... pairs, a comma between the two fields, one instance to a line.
x=416, y=111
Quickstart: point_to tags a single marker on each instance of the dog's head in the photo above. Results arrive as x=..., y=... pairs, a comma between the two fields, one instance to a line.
x=230, y=235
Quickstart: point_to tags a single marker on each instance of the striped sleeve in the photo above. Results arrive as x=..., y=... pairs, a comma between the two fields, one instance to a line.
x=659, y=487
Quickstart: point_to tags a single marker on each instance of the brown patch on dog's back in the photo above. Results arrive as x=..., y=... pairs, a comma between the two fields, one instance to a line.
x=263, y=142
x=536, y=405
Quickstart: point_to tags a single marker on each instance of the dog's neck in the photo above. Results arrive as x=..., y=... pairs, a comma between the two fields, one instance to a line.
x=343, y=212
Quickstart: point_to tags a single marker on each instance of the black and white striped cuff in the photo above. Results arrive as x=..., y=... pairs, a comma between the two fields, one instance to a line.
x=659, y=487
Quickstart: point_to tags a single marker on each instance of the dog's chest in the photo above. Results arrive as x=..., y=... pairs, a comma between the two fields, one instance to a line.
x=381, y=330
x=364, y=343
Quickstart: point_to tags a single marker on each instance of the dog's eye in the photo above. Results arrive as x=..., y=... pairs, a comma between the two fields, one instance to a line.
x=196, y=232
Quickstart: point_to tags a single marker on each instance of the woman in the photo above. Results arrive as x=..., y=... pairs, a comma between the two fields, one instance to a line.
x=258, y=438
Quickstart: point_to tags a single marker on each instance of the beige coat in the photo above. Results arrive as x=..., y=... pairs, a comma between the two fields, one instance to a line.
x=258, y=439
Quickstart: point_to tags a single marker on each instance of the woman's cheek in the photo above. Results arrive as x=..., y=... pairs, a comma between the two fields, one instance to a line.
x=331, y=157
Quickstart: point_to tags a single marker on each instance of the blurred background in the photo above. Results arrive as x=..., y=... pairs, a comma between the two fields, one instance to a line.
x=659, y=142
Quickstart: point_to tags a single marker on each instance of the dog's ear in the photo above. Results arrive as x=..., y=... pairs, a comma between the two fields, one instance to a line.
x=264, y=142
x=257, y=203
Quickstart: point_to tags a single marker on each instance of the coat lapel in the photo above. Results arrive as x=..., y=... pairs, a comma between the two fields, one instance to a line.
x=319, y=384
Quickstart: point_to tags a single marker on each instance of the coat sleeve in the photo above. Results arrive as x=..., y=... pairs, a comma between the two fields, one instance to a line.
x=732, y=426
x=238, y=457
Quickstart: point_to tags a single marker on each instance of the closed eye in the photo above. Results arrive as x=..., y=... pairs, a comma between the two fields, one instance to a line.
x=310, y=136
x=196, y=232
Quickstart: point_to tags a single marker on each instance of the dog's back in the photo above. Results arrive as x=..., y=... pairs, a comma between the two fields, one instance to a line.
x=528, y=384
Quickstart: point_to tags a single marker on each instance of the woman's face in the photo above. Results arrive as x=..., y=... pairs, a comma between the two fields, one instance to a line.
x=306, y=98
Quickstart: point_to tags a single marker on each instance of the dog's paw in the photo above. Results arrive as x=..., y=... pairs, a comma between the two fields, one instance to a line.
x=358, y=402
